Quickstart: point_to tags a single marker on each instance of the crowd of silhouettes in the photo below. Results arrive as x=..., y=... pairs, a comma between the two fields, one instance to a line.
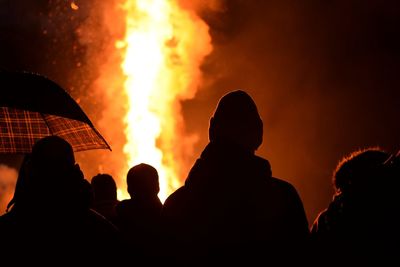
x=231, y=210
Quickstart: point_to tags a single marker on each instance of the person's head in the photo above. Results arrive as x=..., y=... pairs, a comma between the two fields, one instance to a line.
x=52, y=155
x=142, y=180
x=52, y=177
x=236, y=120
x=104, y=188
x=359, y=170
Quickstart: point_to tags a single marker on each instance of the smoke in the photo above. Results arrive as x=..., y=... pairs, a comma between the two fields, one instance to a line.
x=323, y=74
x=202, y=7
x=98, y=33
x=8, y=179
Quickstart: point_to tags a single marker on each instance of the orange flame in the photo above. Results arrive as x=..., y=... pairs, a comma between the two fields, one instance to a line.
x=74, y=6
x=163, y=48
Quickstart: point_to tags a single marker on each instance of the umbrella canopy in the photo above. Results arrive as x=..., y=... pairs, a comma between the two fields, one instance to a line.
x=32, y=107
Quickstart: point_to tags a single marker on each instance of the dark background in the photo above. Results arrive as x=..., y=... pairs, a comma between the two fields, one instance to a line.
x=324, y=74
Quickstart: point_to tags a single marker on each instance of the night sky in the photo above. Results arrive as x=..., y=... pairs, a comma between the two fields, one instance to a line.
x=324, y=74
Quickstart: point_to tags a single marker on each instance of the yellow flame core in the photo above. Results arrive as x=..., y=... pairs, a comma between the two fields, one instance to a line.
x=163, y=47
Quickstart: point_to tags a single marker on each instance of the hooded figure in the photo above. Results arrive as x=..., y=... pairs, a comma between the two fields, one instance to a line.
x=230, y=209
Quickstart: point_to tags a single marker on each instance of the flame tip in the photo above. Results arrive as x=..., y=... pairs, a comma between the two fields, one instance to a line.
x=163, y=48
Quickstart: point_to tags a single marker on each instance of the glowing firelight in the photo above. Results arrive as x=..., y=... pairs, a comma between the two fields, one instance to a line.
x=74, y=6
x=164, y=46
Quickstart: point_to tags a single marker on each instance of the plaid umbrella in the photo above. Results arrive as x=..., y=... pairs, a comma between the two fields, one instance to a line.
x=32, y=107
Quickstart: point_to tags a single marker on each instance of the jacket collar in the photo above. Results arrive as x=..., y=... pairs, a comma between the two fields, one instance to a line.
x=222, y=163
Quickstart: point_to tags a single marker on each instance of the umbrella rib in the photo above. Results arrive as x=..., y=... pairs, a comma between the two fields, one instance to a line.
x=91, y=126
x=51, y=107
x=102, y=138
x=45, y=121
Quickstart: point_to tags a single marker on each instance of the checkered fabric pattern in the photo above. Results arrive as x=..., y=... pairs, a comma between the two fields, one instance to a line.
x=20, y=129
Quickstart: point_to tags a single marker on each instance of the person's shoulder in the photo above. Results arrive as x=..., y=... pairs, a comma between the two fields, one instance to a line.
x=6, y=219
x=178, y=195
x=263, y=166
x=282, y=185
x=177, y=201
x=125, y=206
x=123, y=203
x=177, y=207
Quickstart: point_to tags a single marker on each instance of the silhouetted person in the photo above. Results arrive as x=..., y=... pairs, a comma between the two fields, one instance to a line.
x=105, y=196
x=360, y=225
x=50, y=217
x=139, y=217
x=231, y=210
x=20, y=185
